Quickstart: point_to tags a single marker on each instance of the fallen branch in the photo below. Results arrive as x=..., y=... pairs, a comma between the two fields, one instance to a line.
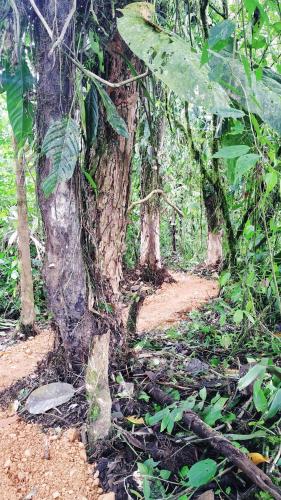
x=222, y=445
x=147, y=198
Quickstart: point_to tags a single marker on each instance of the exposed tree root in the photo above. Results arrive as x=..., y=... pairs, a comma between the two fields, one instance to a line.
x=220, y=444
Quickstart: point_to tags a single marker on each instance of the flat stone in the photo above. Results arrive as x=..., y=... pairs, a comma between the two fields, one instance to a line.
x=49, y=396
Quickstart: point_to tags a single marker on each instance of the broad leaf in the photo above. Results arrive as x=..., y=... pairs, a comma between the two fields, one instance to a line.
x=61, y=145
x=17, y=82
x=254, y=372
x=259, y=97
x=201, y=473
x=113, y=118
x=228, y=152
x=172, y=60
x=244, y=164
x=92, y=115
x=259, y=398
x=275, y=406
x=221, y=31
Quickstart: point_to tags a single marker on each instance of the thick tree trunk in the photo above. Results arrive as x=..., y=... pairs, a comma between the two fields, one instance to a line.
x=112, y=175
x=27, y=297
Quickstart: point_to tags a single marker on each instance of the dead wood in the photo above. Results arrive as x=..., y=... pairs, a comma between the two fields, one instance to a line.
x=222, y=445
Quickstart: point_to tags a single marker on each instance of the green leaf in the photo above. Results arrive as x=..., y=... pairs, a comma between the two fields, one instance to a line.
x=165, y=474
x=238, y=316
x=259, y=398
x=202, y=473
x=90, y=181
x=224, y=278
x=244, y=164
x=260, y=97
x=275, y=406
x=61, y=145
x=254, y=372
x=213, y=412
x=271, y=179
x=112, y=116
x=92, y=115
x=246, y=437
x=221, y=31
x=228, y=152
x=172, y=60
x=17, y=82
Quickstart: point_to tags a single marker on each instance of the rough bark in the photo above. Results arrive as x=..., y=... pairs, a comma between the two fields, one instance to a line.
x=27, y=297
x=64, y=270
x=150, y=255
x=112, y=173
x=213, y=216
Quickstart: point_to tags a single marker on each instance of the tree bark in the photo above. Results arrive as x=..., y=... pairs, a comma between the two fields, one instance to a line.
x=27, y=319
x=113, y=171
x=150, y=254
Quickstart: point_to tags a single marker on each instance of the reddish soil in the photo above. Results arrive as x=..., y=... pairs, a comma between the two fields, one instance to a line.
x=43, y=466
x=21, y=359
x=172, y=301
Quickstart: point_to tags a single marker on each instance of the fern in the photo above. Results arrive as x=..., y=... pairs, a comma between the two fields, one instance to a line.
x=61, y=145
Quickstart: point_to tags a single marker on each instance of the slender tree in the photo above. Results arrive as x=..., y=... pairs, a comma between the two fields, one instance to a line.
x=27, y=297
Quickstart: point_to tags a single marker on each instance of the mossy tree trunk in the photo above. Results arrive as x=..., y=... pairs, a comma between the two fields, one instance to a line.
x=27, y=318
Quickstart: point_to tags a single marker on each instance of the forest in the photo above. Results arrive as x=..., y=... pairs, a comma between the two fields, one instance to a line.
x=140, y=258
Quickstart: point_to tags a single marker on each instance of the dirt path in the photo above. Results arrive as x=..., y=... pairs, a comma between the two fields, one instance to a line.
x=43, y=466
x=173, y=300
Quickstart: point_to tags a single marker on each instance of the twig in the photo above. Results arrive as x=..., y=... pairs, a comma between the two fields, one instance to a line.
x=17, y=27
x=220, y=443
x=42, y=19
x=152, y=193
x=93, y=76
x=64, y=28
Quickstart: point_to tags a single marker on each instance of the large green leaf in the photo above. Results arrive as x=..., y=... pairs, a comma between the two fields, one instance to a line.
x=262, y=97
x=172, y=60
x=275, y=406
x=61, y=144
x=201, y=473
x=228, y=152
x=244, y=164
x=17, y=81
x=92, y=115
x=113, y=118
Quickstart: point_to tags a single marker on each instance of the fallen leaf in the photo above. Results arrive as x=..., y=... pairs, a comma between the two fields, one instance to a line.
x=135, y=420
x=257, y=458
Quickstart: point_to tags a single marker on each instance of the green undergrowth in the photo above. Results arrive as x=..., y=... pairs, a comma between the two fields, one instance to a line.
x=225, y=372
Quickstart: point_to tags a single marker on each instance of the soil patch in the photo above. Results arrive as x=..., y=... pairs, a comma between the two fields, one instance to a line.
x=41, y=465
x=172, y=301
x=21, y=359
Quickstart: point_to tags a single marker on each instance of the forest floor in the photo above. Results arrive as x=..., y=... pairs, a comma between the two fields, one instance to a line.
x=41, y=464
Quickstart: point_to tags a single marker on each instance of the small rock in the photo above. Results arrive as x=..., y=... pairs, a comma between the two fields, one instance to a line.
x=107, y=496
x=56, y=494
x=96, y=481
x=96, y=474
x=21, y=476
x=7, y=464
x=27, y=453
x=72, y=435
x=28, y=351
x=83, y=455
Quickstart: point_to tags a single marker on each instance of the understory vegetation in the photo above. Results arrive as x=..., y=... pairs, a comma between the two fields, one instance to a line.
x=138, y=140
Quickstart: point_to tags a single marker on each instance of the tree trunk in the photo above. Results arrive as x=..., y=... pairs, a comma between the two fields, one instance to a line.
x=150, y=255
x=27, y=297
x=214, y=224
x=113, y=171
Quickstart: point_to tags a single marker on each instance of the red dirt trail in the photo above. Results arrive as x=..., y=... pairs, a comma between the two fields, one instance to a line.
x=45, y=466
